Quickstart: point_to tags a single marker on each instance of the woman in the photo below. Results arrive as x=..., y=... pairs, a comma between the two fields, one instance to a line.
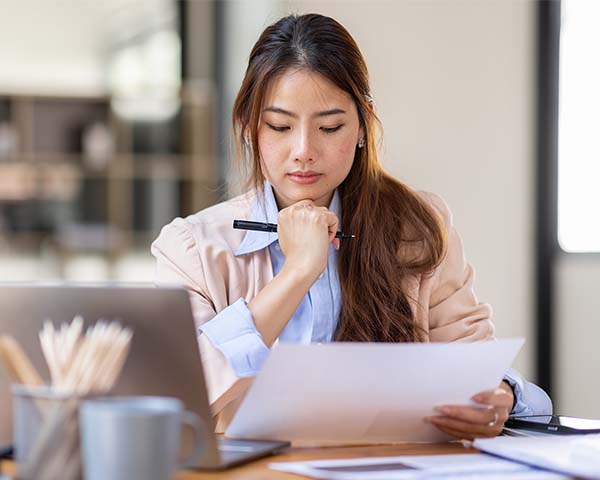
x=306, y=128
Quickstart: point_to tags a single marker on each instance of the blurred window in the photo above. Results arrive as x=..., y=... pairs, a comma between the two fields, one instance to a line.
x=144, y=76
x=579, y=134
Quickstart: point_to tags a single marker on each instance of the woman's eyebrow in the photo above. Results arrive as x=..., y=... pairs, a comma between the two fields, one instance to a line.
x=333, y=111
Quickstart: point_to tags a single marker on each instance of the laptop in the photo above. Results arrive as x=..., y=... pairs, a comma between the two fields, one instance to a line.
x=164, y=358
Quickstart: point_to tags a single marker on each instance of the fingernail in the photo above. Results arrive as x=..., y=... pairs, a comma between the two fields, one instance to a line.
x=477, y=398
x=444, y=410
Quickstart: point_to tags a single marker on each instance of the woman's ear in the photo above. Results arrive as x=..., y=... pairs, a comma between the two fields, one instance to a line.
x=360, y=141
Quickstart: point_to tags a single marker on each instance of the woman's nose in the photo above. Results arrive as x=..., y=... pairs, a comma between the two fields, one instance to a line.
x=304, y=147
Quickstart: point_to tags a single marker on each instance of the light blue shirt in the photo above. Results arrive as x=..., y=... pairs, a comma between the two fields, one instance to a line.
x=234, y=333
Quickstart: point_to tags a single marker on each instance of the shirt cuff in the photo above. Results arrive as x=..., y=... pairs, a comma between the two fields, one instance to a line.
x=529, y=398
x=233, y=332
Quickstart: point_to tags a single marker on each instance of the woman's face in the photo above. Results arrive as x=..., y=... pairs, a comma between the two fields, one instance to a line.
x=307, y=136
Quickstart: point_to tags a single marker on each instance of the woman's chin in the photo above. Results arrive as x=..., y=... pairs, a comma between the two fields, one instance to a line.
x=318, y=196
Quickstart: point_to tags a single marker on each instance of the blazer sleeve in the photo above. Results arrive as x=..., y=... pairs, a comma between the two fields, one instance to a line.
x=454, y=312
x=178, y=262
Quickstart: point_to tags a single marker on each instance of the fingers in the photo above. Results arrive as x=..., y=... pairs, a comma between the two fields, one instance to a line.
x=303, y=204
x=332, y=226
x=305, y=233
x=465, y=429
x=461, y=429
x=498, y=397
x=472, y=422
x=482, y=415
x=323, y=215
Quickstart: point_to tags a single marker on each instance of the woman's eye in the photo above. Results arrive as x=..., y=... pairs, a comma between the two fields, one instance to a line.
x=278, y=129
x=331, y=129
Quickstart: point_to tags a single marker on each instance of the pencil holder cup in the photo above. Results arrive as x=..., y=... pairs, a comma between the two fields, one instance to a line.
x=46, y=434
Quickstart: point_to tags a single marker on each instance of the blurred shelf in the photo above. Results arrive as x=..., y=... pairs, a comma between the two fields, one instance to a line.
x=119, y=167
x=61, y=190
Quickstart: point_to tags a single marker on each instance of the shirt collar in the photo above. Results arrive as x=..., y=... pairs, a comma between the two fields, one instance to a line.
x=264, y=209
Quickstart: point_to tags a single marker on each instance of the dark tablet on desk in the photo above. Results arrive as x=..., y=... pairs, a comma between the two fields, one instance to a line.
x=558, y=424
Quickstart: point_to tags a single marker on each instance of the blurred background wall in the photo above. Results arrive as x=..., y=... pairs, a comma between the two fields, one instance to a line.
x=114, y=119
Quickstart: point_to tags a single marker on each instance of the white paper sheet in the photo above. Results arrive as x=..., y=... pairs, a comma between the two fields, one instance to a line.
x=461, y=466
x=366, y=392
x=572, y=454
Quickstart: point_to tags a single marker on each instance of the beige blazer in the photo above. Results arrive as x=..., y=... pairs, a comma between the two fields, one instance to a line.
x=197, y=253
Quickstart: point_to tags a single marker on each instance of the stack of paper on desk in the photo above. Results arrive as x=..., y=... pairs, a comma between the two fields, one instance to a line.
x=462, y=466
x=571, y=454
x=366, y=392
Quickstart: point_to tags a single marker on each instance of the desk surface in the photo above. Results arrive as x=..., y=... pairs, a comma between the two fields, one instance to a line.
x=259, y=469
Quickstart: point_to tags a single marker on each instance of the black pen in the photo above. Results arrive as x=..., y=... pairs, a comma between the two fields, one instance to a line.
x=272, y=227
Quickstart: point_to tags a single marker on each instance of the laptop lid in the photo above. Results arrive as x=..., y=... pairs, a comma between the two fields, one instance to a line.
x=164, y=358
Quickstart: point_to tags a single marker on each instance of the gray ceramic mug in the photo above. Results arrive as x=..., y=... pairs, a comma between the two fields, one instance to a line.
x=135, y=438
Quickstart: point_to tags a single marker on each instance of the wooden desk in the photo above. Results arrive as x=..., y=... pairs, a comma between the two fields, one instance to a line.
x=259, y=469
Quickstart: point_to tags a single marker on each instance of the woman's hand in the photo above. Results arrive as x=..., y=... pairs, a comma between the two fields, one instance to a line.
x=472, y=422
x=305, y=232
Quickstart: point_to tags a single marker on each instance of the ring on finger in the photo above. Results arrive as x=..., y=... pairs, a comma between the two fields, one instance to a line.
x=495, y=420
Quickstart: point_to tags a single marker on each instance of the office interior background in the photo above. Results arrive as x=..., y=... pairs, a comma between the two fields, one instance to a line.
x=115, y=118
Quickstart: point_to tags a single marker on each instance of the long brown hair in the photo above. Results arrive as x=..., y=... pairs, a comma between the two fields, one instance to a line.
x=399, y=236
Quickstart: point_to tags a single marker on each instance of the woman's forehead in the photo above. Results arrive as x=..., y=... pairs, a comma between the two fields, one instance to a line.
x=303, y=91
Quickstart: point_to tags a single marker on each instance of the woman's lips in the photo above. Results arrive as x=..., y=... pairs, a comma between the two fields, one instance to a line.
x=304, y=178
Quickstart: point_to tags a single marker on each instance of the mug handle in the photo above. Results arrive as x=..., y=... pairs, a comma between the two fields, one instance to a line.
x=197, y=425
